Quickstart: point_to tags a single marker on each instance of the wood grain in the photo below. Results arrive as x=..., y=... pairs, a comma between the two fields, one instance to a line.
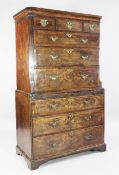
x=67, y=121
x=22, y=48
x=51, y=145
x=67, y=104
x=71, y=78
x=68, y=25
x=23, y=124
x=52, y=56
x=59, y=96
x=67, y=39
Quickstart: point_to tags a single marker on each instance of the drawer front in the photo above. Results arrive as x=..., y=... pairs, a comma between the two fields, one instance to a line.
x=72, y=78
x=69, y=25
x=50, y=38
x=91, y=27
x=67, y=104
x=58, y=143
x=44, y=23
x=63, y=122
x=65, y=56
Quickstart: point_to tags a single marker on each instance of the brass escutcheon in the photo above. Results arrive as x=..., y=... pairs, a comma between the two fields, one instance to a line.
x=69, y=25
x=69, y=51
x=44, y=22
x=84, y=41
x=69, y=35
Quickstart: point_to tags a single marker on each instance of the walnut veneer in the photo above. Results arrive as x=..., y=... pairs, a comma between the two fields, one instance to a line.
x=59, y=96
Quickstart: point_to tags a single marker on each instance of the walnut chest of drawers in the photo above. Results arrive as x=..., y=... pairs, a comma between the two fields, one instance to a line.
x=59, y=96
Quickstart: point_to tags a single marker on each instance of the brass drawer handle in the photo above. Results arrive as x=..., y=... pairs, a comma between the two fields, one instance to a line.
x=44, y=22
x=69, y=35
x=84, y=41
x=69, y=51
x=88, y=118
x=69, y=25
x=84, y=76
x=54, y=124
x=88, y=101
x=92, y=27
x=53, y=106
x=54, y=56
x=88, y=137
x=54, y=38
x=54, y=77
x=54, y=145
x=84, y=57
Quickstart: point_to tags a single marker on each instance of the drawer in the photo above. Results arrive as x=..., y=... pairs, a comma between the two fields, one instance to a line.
x=63, y=78
x=91, y=27
x=66, y=104
x=69, y=25
x=65, y=56
x=50, y=145
x=44, y=23
x=67, y=121
x=49, y=38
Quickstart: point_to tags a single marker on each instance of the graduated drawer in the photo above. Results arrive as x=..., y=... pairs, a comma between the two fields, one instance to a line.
x=69, y=25
x=67, y=121
x=65, y=56
x=49, y=38
x=44, y=23
x=63, y=78
x=66, y=104
x=73, y=140
x=91, y=27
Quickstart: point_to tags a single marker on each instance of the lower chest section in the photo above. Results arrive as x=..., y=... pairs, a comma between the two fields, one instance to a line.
x=62, y=124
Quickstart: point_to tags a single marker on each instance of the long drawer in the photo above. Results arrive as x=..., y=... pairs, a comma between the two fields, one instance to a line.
x=65, y=78
x=49, y=38
x=66, y=104
x=50, y=145
x=67, y=121
x=52, y=56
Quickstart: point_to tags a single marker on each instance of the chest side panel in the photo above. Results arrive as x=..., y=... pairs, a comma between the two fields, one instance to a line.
x=23, y=123
x=22, y=54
